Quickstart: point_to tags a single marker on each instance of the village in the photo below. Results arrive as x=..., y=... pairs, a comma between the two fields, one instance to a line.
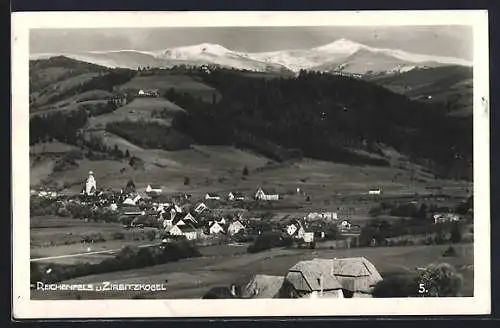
x=179, y=216
x=225, y=219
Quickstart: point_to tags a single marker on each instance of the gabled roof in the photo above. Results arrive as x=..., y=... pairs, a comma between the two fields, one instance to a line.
x=268, y=191
x=307, y=275
x=237, y=194
x=263, y=286
x=355, y=274
x=155, y=186
x=211, y=194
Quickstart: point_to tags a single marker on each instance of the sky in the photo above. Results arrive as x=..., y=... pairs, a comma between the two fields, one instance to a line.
x=454, y=41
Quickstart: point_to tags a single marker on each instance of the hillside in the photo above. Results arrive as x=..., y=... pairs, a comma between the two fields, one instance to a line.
x=61, y=82
x=322, y=116
x=448, y=86
x=202, y=118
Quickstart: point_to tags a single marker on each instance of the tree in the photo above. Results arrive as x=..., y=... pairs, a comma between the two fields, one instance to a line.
x=245, y=171
x=400, y=285
x=186, y=181
x=127, y=154
x=440, y=280
x=456, y=233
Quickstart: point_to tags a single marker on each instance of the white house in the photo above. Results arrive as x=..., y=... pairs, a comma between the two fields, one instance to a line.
x=212, y=196
x=295, y=229
x=190, y=218
x=308, y=237
x=235, y=196
x=168, y=224
x=222, y=221
x=153, y=189
x=215, y=228
x=129, y=201
x=374, y=192
x=344, y=225
x=188, y=231
x=263, y=195
x=445, y=217
x=235, y=227
x=200, y=208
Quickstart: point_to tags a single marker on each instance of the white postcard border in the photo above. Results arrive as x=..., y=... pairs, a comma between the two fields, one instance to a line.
x=24, y=308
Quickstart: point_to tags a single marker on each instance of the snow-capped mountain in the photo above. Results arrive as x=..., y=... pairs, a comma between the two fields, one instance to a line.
x=340, y=55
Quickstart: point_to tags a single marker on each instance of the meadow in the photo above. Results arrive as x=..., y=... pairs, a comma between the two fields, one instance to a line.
x=191, y=278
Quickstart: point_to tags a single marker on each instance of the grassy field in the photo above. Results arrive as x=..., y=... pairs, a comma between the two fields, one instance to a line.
x=139, y=108
x=163, y=82
x=191, y=278
x=53, y=236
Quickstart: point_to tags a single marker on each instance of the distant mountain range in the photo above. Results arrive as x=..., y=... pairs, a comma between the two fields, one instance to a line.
x=339, y=56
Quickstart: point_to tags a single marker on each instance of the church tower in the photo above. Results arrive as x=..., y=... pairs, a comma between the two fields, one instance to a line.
x=90, y=185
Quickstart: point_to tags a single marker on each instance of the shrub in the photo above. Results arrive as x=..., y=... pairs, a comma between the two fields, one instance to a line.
x=450, y=251
x=398, y=285
x=441, y=280
x=118, y=235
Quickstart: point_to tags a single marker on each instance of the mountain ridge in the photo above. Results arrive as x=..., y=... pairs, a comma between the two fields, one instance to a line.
x=325, y=58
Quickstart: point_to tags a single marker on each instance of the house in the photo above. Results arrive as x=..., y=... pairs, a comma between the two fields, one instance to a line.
x=313, y=279
x=148, y=93
x=264, y=286
x=344, y=225
x=261, y=194
x=374, y=192
x=200, y=208
x=212, y=196
x=445, y=218
x=153, y=190
x=235, y=227
x=190, y=218
x=235, y=196
x=215, y=228
x=133, y=211
x=168, y=224
x=322, y=216
x=187, y=231
x=295, y=229
x=357, y=275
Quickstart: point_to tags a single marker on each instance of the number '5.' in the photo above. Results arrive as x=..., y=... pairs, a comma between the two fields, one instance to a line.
x=421, y=289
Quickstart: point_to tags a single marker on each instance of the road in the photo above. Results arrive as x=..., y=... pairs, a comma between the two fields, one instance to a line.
x=86, y=253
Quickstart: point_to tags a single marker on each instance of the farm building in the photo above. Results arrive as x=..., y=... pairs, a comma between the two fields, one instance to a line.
x=186, y=230
x=153, y=190
x=148, y=93
x=376, y=191
x=235, y=227
x=261, y=194
x=200, y=208
x=311, y=279
x=212, y=196
x=265, y=286
x=445, y=218
x=295, y=229
x=215, y=228
x=235, y=196
x=322, y=216
x=357, y=275
x=188, y=218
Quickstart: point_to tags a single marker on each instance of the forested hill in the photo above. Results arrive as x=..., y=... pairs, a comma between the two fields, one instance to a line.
x=325, y=117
